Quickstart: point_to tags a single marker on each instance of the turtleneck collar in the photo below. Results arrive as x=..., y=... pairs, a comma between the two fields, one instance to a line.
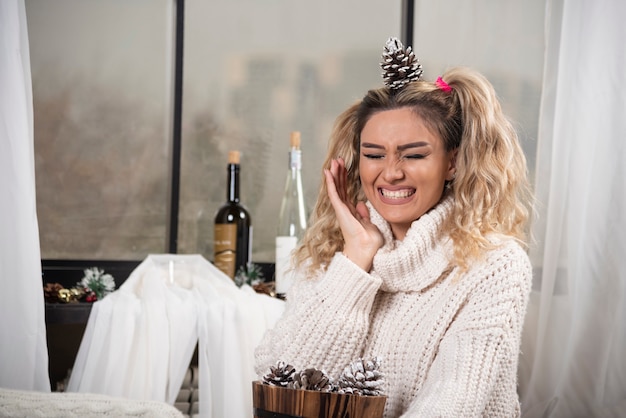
x=420, y=258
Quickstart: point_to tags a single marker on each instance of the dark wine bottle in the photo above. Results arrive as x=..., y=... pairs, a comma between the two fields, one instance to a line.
x=233, y=226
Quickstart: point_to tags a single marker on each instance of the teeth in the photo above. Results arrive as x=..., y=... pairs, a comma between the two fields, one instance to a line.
x=399, y=194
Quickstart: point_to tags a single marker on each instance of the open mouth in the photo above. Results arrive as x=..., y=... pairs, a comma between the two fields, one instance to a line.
x=396, y=194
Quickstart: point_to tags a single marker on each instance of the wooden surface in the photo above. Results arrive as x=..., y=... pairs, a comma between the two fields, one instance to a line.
x=274, y=401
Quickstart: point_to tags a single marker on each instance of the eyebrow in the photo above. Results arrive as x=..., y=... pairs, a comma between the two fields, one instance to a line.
x=400, y=147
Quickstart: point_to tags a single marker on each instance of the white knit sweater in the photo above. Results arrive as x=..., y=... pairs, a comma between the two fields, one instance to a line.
x=449, y=343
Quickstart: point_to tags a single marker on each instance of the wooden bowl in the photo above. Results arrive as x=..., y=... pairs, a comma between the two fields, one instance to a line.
x=271, y=401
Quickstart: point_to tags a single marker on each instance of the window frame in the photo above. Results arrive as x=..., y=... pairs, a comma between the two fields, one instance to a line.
x=68, y=272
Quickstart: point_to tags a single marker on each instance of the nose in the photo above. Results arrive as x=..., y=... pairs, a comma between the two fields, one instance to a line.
x=392, y=170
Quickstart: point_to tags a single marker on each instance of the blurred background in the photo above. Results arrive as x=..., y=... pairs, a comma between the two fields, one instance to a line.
x=104, y=103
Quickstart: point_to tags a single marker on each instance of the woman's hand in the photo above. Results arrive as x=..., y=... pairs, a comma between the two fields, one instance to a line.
x=362, y=238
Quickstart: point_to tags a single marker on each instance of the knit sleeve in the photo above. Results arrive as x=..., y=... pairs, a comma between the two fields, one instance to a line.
x=325, y=321
x=474, y=372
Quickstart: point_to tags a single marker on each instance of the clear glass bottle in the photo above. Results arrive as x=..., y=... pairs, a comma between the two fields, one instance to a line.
x=291, y=220
x=233, y=226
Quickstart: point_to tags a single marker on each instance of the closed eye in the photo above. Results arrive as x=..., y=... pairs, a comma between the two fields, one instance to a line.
x=415, y=156
x=373, y=156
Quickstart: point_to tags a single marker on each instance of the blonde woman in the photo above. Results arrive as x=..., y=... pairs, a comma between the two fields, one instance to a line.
x=415, y=253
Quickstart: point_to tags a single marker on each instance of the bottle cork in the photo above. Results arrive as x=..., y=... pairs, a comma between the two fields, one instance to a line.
x=294, y=140
x=233, y=157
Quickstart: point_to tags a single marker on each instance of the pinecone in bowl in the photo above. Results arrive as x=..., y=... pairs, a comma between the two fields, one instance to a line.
x=362, y=377
x=312, y=379
x=280, y=375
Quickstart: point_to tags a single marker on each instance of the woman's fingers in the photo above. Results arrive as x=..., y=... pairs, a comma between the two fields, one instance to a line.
x=336, y=180
x=351, y=221
x=337, y=171
x=362, y=238
x=342, y=179
x=331, y=183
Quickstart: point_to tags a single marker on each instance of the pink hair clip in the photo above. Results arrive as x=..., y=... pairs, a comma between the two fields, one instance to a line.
x=443, y=85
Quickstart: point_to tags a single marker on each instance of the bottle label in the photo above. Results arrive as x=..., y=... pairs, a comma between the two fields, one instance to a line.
x=295, y=159
x=284, y=271
x=225, y=246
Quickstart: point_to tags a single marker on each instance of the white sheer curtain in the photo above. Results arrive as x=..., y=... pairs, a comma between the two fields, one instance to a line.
x=23, y=350
x=140, y=339
x=574, y=348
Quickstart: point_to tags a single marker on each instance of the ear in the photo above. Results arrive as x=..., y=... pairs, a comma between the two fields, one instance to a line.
x=452, y=165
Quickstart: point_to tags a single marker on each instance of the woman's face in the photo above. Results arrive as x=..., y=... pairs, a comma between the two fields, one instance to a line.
x=403, y=167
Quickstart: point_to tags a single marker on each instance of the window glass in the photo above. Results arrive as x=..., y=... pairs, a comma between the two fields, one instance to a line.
x=503, y=40
x=101, y=74
x=253, y=72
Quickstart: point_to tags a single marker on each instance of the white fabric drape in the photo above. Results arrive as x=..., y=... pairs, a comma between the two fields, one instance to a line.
x=140, y=339
x=23, y=350
x=574, y=347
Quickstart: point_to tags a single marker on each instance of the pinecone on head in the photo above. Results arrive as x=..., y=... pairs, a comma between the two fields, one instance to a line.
x=362, y=377
x=400, y=65
x=312, y=379
x=280, y=375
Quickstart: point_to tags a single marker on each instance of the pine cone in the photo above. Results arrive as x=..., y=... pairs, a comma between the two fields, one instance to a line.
x=362, y=377
x=400, y=66
x=51, y=292
x=280, y=375
x=312, y=379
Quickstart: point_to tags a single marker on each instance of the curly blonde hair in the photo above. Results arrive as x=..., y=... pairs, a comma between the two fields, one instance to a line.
x=491, y=192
